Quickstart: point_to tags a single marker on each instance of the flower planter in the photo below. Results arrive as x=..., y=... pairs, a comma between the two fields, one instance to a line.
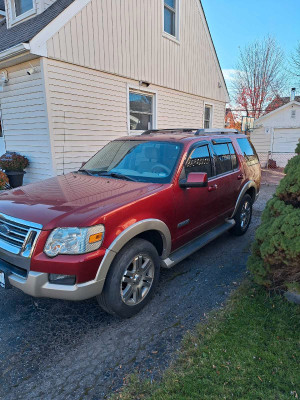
x=15, y=178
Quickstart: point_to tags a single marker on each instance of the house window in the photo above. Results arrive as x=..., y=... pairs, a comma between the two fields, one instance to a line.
x=207, y=116
x=141, y=111
x=170, y=17
x=22, y=6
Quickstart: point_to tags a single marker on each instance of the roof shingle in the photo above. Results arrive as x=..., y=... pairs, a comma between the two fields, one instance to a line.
x=279, y=102
x=24, y=32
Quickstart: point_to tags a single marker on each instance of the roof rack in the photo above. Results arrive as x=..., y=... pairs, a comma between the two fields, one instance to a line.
x=195, y=132
x=182, y=130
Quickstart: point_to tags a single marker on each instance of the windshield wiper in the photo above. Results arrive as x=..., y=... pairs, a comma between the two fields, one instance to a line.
x=116, y=175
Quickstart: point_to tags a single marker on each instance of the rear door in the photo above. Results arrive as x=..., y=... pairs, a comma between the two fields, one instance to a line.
x=228, y=176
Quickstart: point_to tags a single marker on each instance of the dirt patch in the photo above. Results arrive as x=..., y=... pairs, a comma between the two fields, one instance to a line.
x=271, y=177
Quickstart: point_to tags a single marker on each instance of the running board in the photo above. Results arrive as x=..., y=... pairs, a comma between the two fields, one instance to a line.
x=196, y=244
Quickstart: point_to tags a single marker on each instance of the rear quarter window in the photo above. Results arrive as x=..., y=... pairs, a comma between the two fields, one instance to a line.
x=248, y=151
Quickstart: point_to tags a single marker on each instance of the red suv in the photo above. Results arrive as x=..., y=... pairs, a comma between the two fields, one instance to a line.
x=141, y=203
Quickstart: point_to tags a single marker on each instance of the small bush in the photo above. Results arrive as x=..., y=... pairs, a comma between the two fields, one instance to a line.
x=13, y=162
x=3, y=180
x=275, y=258
x=289, y=187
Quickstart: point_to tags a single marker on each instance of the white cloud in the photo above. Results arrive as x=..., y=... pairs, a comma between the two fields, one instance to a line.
x=229, y=74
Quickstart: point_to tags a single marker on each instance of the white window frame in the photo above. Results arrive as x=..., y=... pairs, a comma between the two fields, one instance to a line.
x=14, y=18
x=1, y=125
x=211, y=115
x=147, y=92
x=165, y=34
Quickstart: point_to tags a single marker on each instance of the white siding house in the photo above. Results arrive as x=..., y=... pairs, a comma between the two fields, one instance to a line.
x=277, y=133
x=103, y=69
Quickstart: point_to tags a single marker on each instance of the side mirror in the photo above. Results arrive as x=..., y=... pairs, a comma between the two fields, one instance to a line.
x=194, y=179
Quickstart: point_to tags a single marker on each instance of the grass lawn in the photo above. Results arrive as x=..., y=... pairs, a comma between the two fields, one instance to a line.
x=249, y=350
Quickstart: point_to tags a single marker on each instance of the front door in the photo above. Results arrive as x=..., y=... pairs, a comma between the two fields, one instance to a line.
x=196, y=208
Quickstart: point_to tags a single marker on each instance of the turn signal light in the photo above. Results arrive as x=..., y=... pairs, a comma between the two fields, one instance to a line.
x=97, y=237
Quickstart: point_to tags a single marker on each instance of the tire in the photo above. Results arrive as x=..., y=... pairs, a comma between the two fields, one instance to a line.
x=243, y=216
x=131, y=280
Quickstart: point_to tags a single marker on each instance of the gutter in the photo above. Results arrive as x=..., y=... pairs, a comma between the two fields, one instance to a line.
x=14, y=51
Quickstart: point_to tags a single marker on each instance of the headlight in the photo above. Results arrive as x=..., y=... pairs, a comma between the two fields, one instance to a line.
x=74, y=240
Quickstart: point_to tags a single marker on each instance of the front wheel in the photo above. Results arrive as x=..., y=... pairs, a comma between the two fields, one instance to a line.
x=243, y=216
x=131, y=280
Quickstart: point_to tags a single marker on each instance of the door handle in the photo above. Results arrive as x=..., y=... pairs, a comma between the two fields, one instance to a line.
x=212, y=188
x=240, y=177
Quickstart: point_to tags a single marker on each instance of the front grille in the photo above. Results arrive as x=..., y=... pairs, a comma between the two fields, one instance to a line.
x=13, y=232
x=17, y=236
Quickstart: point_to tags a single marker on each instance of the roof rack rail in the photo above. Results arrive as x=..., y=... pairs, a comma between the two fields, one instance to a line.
x=195, y=132
x=183, y=130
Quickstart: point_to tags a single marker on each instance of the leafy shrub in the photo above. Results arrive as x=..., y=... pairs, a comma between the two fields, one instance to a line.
x=3, y=180
x=13, y=162
x=289, y=187
x=275, y=258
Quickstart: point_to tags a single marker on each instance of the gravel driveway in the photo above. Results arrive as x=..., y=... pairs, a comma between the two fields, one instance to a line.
x=60, y=350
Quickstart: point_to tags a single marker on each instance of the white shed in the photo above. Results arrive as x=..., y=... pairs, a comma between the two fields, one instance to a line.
x=276, y=134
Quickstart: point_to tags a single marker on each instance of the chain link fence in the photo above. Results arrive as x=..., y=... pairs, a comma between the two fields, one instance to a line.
x=275, y=160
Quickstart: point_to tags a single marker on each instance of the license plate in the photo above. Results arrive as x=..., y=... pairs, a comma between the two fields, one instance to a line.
x=2, y=280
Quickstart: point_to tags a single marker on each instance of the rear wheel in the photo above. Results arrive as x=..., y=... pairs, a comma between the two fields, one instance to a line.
x=131, y=280
x=243, y=216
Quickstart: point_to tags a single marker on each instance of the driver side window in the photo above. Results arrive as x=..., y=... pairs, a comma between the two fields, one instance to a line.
x=200, y=161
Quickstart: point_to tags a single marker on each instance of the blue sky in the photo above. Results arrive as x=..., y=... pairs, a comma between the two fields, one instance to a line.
x=235, y=23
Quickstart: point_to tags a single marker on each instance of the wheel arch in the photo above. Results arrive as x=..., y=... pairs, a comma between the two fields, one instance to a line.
x=249, y=188
x=141, y=229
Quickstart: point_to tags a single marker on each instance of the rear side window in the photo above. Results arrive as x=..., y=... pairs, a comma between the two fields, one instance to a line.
x=199, y=161
x=226, y=159
x=248, y=151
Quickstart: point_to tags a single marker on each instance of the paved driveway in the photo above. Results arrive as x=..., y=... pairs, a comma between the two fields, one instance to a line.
x=61, y=350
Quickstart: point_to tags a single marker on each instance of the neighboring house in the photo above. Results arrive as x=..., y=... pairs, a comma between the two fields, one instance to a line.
x=277, y=133
x=280, y=101
x=83, y=72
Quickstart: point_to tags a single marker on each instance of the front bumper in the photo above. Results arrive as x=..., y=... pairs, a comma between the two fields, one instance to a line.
x=36, y=284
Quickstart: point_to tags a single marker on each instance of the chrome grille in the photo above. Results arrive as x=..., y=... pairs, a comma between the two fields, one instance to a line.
x=17, y=236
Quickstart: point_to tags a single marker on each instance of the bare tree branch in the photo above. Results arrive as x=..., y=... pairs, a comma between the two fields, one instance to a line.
x=295, y=61
x=260, y=77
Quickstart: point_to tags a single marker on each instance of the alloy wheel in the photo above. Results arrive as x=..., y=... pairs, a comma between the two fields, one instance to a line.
x=137, y=280
x=245, y=215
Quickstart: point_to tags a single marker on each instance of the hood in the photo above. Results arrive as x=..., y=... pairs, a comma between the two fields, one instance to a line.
x=72, y=199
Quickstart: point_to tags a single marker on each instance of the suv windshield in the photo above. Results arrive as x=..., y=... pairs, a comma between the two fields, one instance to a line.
x=135, y=160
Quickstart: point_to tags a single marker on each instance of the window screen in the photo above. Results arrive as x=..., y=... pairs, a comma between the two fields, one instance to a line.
x=207, y=117
x=22, y=6
x=248, y=151
x=199, y=161
x=141, y=111
x=226, y=159
x=170, y=17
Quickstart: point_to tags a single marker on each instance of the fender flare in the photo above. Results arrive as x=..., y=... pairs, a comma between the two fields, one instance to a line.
x=129, y=233
x=247, y=186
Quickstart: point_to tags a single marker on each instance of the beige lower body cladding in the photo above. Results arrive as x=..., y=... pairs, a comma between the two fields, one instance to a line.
x=89, y=108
